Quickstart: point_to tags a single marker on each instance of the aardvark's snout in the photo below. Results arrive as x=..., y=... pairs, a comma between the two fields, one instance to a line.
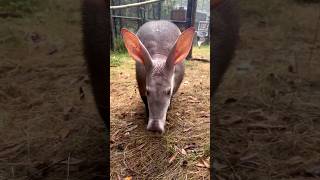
x=156, y=125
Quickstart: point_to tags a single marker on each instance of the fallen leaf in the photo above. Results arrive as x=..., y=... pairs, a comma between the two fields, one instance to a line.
x=113, y=136
x=207, y=165
x=200, y=165
x=128, y=178
x=141, y=146
x=130, y=123
x=183, y=152
x=131, y=128
x=173, y=157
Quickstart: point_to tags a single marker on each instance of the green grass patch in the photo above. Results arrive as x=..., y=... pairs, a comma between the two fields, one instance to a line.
x=202, y=51
x=117, y=58
x=206, y=150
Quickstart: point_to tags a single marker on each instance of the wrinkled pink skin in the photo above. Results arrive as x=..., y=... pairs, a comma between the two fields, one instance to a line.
x=158, y=82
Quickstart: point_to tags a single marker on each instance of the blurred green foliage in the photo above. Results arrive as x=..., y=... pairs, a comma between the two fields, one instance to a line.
x=119, y=45
x=118, y=58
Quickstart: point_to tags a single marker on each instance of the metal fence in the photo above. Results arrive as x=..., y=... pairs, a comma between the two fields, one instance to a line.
x=133, y=13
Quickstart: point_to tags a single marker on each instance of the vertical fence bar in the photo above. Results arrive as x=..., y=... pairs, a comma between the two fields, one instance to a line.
x=139, y=15
x=114, y=25
x=143, y=13
x=112, y=42
x=120, y=13
x=191, y=15
x=159, y=10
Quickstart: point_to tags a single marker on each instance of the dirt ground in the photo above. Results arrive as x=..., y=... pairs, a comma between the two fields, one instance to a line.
x=268, y=108
x=49, y=128
x=184, y=151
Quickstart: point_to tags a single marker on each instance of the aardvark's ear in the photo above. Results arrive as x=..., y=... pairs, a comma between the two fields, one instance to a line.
x=134, y=46
x=182, y=46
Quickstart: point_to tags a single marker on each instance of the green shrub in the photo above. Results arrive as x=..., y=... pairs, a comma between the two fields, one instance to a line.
x=119, y=46
x=117, y=58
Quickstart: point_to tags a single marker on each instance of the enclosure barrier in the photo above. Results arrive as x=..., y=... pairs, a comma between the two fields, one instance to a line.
x=190, y=16
x=133, y=4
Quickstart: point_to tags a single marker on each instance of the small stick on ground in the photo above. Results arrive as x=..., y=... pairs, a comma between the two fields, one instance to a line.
x=200, y=59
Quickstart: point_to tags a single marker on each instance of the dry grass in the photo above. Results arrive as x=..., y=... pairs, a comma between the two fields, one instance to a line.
x=268, y=107
x=144, y=155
